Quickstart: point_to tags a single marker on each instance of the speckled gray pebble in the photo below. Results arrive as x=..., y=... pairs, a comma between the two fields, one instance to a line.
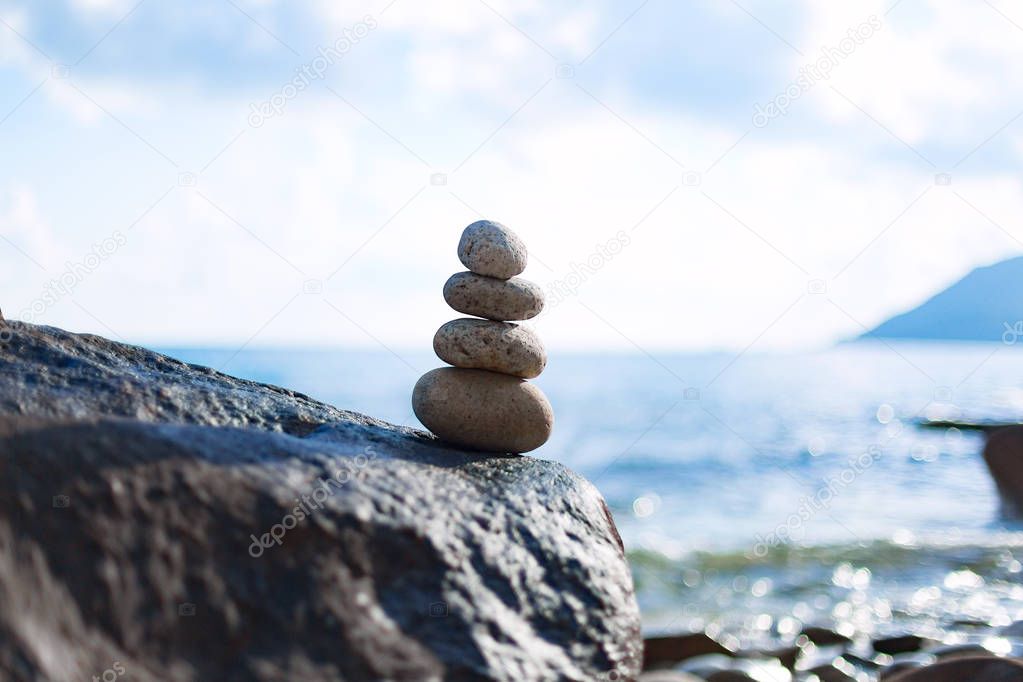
x=491, y=249
x=483, y=410
x=497, y=346
x=492, y=298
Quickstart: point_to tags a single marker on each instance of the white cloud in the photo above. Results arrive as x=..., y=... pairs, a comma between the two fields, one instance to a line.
x=945, y=72
x=22, y=222
x=102, y=6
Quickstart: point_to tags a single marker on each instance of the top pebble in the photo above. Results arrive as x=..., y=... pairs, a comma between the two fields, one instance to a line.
x=491, y=249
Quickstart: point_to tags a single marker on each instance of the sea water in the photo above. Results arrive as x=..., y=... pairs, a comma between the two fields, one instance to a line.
x=760, y=491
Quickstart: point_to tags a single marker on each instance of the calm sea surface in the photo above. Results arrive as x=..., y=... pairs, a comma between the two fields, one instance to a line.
x=763, y=490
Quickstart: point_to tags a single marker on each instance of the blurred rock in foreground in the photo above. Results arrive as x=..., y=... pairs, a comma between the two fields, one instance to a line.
x=163, y=521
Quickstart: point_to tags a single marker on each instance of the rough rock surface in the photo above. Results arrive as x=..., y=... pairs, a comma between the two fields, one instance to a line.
x=494, y=299
x=496, y=346
x=143, y=500
x=48, y=372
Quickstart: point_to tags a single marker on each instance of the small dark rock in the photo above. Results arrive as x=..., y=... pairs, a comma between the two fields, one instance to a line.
x=863, y=662
x=958, y=650
x=902, y=644
x=839, y=670
x=825, y=636
x=666, y=651
x=971, y=623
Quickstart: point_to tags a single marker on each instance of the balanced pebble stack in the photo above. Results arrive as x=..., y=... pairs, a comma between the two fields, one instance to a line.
x=484, y=402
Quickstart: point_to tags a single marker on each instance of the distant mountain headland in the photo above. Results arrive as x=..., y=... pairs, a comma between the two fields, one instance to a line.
x=986, y=305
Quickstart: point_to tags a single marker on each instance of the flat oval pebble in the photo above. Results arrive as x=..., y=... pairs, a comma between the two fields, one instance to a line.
x=483, y=410
x=497, y=346
x=492, y=298
x=491, y=249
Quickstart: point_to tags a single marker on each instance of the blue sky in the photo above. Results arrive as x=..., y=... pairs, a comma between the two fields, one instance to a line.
x=333, y=218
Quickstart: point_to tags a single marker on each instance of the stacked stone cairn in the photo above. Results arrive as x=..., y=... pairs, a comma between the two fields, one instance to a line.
x=484, y=402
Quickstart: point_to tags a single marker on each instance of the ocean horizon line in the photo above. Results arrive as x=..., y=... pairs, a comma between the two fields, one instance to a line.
x=241, y=347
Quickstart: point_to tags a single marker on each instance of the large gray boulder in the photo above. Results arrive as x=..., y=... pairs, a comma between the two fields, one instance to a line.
x=163, y=521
